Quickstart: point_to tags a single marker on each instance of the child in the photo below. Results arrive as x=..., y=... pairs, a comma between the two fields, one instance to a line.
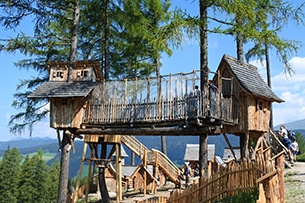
x=294, y=149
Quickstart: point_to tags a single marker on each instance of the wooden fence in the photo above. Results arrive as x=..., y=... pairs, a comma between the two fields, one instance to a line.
x=264, y=173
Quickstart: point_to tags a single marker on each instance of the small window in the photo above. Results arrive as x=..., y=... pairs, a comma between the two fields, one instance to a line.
x=58, y=75
x=82, y=73
x=259, y=105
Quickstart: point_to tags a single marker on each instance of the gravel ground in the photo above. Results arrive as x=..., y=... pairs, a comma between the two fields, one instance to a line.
x=295, y=183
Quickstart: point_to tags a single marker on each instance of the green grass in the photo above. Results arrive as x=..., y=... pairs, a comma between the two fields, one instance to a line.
x=290, y=173
x=48, y=156
x=242, y=197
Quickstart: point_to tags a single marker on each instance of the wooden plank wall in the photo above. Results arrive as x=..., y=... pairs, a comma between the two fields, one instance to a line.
x=66, y=112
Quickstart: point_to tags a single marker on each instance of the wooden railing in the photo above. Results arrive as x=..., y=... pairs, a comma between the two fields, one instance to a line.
x=165, y=164
x=134, y=145
x=149, y=100
x=154, y=157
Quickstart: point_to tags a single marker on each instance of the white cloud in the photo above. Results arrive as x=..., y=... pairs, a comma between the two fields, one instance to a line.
x=292, y=90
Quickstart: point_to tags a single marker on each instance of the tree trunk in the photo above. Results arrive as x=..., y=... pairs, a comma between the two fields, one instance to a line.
x=239, y=46
x=132, y=158
x=106, y=40
x=65, y=150
x=101, y=175
x=74, y=38
x=158, y=75
x=203, y=155
x=204, y=70
x=64, y=169
x=163, y=143
x=103, y=187
x=268, y=72
x=204, y=77
x=244, y=145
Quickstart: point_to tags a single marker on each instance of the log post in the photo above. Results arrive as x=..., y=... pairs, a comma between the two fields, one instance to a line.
x=118, y=165
x=80, y=171
x=203, y=155
x=280, y=166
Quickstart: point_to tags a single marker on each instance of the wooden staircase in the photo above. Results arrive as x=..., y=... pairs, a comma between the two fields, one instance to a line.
x=154, y=157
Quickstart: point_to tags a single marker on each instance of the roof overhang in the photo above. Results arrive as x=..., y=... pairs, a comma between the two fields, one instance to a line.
x=63, y=89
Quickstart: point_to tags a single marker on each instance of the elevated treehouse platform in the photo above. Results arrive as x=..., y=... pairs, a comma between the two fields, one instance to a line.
x=236, y=100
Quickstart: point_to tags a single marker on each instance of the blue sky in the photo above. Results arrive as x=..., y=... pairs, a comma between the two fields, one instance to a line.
x=290, y=89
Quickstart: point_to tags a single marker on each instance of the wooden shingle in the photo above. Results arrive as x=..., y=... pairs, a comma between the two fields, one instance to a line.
x=250, y=79
x=63, y=89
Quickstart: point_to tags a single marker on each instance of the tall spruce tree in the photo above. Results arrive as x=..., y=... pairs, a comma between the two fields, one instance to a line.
x=33, y=182
x=52, y=182
x=10, y=174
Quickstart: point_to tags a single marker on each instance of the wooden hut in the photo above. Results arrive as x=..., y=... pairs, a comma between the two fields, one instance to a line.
x=191, y=157
x=192, y=153
x=248, y=100
x=68, y=90
x=247, y=94
x=140, y=182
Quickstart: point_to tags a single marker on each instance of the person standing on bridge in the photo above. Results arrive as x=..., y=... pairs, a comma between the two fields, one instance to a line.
x=197, y=97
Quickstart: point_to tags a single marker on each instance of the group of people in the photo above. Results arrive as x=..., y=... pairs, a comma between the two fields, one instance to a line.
x=190, y=171
x=291, y=145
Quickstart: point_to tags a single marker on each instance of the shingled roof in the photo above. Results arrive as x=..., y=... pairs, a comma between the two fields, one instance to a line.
x=250, y=79
x=192, y=152
x=63, y=89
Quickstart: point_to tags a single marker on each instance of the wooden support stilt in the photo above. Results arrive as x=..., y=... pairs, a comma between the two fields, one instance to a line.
x=118, y=165
x=89, y=177
x=155, y=172
x=203, y=155
x=145, y=172
x=79, y=177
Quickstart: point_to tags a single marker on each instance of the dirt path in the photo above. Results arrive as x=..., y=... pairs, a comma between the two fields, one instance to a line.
x=295, y=183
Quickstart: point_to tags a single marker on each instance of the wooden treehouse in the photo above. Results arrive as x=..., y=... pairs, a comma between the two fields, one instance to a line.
x=236, y=101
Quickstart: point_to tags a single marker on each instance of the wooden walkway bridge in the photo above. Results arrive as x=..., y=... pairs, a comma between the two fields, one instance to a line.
x=151, y=102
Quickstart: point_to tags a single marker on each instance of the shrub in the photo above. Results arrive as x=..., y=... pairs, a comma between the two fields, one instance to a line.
x=242, y=197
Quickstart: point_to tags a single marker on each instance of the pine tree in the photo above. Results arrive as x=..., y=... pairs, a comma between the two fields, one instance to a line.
x=52, y=182
x=301, y=142
x=9, y=175
x=33, y=182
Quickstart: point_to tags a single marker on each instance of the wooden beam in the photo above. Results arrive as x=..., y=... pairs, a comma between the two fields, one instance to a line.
x=229, y=144
x=150, y=131
x=268, y=175
x=80, y=171
x=118, y=176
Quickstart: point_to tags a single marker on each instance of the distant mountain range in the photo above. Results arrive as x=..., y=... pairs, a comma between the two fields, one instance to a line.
x=295, y=125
